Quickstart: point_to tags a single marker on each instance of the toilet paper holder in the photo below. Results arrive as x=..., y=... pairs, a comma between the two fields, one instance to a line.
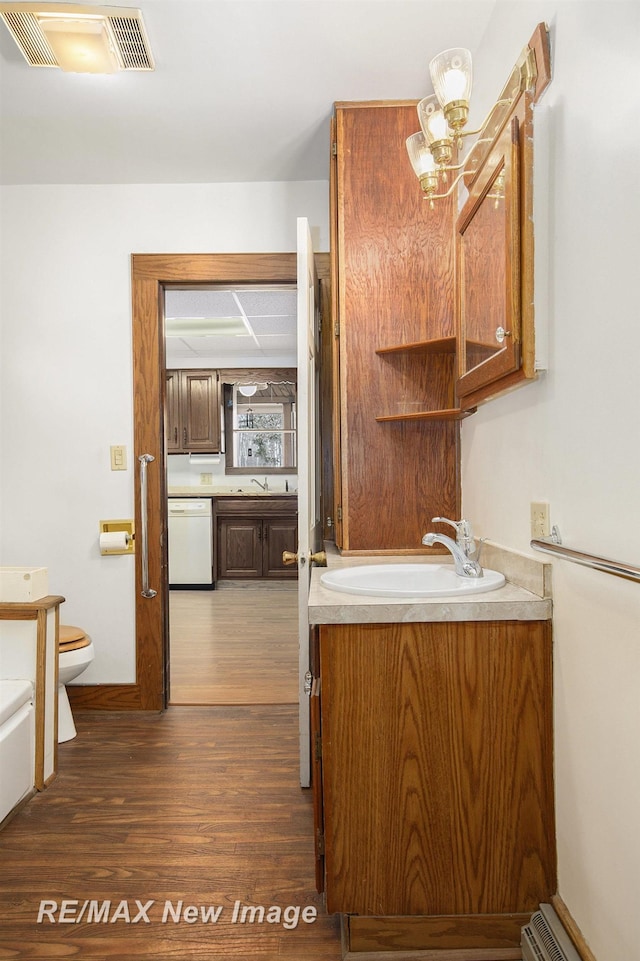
x=118, y=527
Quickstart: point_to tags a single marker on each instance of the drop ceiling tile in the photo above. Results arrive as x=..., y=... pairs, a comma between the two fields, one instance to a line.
x=200, y=303
x=274, y=302
x=273, y=325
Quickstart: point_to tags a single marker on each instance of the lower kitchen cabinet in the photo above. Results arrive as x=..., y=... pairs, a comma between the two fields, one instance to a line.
x=436, y=801
x=251, y=535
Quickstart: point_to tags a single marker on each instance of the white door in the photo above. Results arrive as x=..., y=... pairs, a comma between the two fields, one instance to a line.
x=309, y=524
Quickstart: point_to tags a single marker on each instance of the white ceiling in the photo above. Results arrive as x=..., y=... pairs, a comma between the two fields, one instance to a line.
x=265, y=318
x=242, y=90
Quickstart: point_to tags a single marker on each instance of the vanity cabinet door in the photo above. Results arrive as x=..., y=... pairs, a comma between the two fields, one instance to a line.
x=437, y=761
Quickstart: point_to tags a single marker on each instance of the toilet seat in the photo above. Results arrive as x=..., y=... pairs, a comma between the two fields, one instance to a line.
x=72, y=638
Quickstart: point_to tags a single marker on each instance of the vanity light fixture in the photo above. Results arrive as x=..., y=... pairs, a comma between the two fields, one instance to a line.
x=79, y=38
x=443, y=116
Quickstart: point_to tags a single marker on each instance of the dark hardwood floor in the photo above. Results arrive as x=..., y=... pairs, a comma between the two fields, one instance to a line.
x=167, y=815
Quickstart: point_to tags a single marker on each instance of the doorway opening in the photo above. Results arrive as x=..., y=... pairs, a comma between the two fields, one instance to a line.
x=230, y=358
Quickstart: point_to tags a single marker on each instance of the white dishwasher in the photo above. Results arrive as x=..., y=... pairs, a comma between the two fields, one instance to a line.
x=190, y=543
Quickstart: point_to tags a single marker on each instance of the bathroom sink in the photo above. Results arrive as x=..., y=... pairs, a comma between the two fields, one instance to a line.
x=409, y=580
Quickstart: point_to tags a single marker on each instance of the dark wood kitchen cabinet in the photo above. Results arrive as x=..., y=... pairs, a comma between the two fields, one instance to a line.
x=251, y=535
x=192, y=412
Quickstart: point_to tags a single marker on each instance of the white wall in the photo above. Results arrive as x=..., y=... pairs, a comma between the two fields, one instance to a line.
x=573, y=437
x=66, y=387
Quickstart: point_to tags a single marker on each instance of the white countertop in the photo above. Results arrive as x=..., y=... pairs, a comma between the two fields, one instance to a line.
x=509, y=603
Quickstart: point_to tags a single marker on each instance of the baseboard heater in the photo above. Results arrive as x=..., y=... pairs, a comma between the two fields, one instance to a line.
x=545, y=939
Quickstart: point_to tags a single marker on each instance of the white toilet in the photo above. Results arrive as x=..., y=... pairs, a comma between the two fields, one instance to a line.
x=75, y=653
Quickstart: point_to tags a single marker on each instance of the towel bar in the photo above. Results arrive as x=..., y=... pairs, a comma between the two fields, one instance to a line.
x=553, y=545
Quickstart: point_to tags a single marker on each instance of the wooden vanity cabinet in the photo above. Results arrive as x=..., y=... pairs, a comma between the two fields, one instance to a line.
x=392, y=263
x=192, y=412
x=437, y=780
x=251, y=534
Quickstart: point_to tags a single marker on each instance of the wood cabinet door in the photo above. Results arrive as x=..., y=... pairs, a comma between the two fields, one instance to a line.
x=200, y=410
x=393, y=277
x=239, y=547
x=172, y=424
x=437, y=767
x=278, y=534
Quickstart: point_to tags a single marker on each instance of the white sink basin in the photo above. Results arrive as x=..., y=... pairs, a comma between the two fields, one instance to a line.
x=408, y=580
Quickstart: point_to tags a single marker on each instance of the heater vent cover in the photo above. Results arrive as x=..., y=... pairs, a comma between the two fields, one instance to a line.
x=545, y=939
x=124, y=26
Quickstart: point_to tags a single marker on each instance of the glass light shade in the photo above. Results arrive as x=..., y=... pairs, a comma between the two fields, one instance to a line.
x=436, y=127
x=80, y=46
x=452, y=76
x=420, y=155
x=422, y=161
x=248, y=390
x=436, y=131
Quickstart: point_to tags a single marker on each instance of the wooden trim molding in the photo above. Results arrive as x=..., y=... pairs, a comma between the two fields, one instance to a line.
x=150, y=275
x=572, y=929
x=493, y=935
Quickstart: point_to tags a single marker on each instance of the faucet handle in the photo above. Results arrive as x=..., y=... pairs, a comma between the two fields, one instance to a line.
x=461, y=527
x=464, y=533
x=445, y=520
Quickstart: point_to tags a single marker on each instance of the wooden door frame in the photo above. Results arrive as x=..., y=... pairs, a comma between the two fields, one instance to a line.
x=150, y=274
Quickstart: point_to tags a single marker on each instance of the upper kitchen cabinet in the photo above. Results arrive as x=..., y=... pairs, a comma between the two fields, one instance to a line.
x=392, y=258
x=495, y=240
x=192, y=412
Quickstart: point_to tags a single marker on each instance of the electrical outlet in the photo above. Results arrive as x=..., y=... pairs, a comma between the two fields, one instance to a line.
x=206, y=479
x=540, y=523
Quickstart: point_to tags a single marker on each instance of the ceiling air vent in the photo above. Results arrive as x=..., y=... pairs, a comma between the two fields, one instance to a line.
x=123, y=28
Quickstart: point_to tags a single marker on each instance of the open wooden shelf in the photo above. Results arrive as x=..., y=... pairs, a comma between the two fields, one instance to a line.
x=438, y=345
x=452, y=414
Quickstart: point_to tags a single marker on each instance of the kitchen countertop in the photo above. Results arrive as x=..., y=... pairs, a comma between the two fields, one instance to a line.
x=201, y=490
x=513, y=602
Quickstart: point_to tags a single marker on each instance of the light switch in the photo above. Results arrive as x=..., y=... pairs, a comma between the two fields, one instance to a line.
x=118, y=457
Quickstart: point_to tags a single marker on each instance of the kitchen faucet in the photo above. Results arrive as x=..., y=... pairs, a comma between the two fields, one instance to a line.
x=463, y=549
x=265, y=486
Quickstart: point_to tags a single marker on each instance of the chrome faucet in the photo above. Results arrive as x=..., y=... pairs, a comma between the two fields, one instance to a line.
x=463, y=549
x=265, y=486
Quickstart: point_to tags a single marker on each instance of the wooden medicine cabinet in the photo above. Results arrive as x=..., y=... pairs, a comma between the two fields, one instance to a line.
x=495, y=241
x=488, y=248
